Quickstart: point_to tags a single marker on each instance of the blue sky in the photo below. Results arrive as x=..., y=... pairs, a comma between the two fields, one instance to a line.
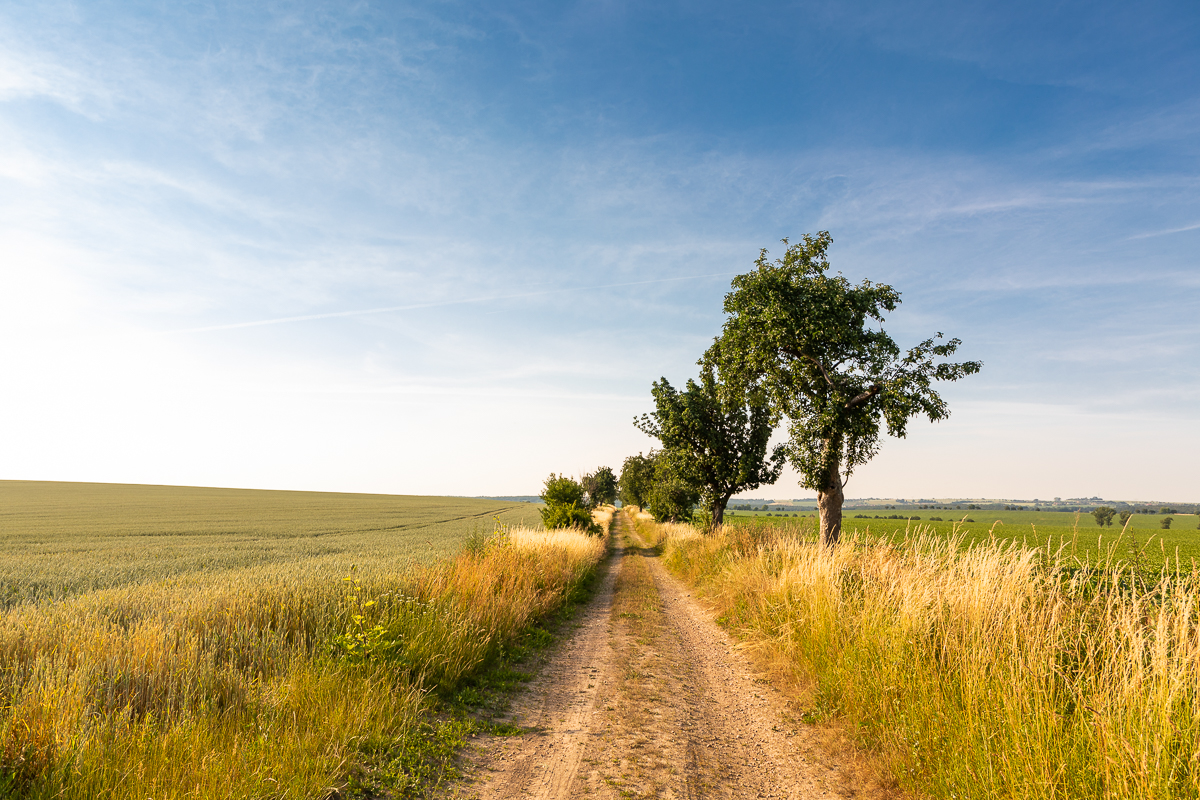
x=445, y=248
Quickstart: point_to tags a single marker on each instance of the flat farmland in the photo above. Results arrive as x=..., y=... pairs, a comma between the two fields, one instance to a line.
x=174, y=642
x=58, y=539
x=1144, y=543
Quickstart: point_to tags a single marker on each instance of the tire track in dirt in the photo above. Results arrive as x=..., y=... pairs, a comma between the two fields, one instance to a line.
x=557, y=708
x=650, y=698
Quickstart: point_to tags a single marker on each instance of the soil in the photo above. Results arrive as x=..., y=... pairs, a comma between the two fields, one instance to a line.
x=650, y=698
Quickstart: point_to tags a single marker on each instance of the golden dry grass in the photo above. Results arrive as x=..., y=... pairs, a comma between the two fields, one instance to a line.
x=994, y=670
x=268, y=681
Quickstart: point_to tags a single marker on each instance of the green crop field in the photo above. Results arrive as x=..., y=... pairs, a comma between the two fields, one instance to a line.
x=58, y=539
x=1144, y=541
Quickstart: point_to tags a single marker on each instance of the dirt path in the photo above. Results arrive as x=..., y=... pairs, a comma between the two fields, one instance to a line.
x=650, y=699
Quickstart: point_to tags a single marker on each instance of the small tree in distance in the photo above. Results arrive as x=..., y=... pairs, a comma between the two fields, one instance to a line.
x=601, y=486
x=637, y=477
x=672, y=497
x=717, y=438
x=807, y=339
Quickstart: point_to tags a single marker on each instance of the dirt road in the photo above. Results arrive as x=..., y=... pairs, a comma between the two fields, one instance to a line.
x=649, y=698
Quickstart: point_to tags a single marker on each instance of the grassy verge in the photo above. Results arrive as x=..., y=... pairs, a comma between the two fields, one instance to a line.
x=268, y=682
x=982, y=671
x=1143, y=542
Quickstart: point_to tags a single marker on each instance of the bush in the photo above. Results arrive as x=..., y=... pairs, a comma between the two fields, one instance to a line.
x=563, y=491
x=571, y=516
x=566, y=505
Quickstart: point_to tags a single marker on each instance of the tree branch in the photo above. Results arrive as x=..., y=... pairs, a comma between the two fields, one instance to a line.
x=797, y=354
x=873, y=390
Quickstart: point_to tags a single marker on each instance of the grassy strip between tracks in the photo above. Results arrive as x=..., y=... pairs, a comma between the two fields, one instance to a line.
x=991, y=670
x=272, y=683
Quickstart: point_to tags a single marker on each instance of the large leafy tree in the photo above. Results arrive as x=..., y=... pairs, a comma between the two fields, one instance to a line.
x=813, y=342
x=717, y=437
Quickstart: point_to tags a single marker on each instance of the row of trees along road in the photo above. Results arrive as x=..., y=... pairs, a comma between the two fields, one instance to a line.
x=806, y=350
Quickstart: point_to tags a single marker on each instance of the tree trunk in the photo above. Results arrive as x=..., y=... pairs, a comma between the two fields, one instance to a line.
x=829, y=501
x=718, y=510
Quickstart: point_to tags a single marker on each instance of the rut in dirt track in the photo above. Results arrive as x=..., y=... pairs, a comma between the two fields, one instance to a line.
x=649, y=698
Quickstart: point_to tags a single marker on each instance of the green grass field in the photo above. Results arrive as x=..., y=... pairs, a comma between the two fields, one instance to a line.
x=58, y=539
x=1144, y=541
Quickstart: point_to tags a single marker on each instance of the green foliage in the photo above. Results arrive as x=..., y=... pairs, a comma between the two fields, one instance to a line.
x=601, y=486
x=717, y=437
x=1104, y=516
x=806, y=338
x=563, y=491
x=637, y=477
x=567, y=505
x=566, y=516
x=672, y=498
x=363, y=640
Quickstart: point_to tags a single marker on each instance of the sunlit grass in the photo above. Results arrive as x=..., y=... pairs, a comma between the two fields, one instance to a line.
x=57, y=539
x=284, y=679
x=979, y=670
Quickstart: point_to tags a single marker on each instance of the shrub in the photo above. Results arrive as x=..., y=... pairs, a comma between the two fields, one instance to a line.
x=563, y=491
x=571, y=516
x=566, y=505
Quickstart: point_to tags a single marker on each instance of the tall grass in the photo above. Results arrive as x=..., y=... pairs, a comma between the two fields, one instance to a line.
x=981, y=671
x=272, y=681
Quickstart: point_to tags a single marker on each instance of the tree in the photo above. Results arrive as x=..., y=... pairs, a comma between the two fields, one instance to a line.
x=805, y=338
x=566, y=504
x=601, y=486
x=1104, y=516
x=637, y=477
x=671, y=497
x=717, y=438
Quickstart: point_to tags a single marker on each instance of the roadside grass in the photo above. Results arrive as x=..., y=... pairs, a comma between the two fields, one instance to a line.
x=1143, y=543
x=302, y=677
x=973, y=670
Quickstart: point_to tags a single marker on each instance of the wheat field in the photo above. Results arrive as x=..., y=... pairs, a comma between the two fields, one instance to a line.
x=198, y=645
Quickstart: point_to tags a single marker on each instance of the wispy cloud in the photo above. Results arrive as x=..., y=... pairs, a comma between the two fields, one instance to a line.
x=1169, y=231
x=442, y=304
